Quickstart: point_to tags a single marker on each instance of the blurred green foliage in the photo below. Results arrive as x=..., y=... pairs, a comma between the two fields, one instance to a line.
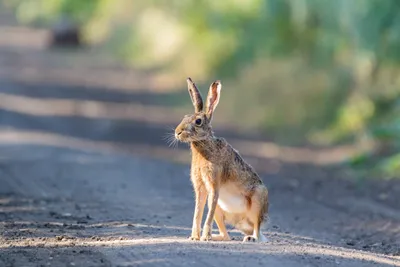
x=315, y=71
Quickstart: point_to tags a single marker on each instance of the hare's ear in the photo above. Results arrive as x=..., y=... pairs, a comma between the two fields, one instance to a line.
x=213, y=98
x=195, y=95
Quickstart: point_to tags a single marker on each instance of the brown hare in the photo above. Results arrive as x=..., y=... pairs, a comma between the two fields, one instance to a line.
x=235, y=193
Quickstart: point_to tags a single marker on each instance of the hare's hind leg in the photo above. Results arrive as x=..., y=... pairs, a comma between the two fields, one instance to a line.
x=256, y=214
x=219, y=220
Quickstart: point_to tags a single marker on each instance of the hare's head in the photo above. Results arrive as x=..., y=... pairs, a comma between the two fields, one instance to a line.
x=197, y=126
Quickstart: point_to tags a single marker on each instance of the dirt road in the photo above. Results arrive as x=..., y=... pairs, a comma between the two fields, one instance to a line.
x=81, y=189
x=62, y=207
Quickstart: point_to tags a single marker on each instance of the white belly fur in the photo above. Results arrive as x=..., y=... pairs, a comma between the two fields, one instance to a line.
x=230, y=200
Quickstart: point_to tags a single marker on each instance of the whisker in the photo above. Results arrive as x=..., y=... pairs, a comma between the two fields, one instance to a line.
x=169, y=131
x=175, y=143
x=169, y=138
x=171, y=141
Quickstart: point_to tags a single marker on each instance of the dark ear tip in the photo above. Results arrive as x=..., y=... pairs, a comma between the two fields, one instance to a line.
x=217, y=82
x=188, y=79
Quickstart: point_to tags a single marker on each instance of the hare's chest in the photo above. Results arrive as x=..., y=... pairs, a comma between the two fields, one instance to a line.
x=230, y=199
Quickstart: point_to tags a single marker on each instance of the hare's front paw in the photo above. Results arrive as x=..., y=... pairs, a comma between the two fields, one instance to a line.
x=194, y=238
x=206, y=237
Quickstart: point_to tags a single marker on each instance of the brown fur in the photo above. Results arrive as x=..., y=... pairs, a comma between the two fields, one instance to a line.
x=217, y=165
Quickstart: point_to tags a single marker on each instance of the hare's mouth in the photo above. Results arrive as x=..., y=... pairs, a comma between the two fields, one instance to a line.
x=183, y=136
x=187, y=137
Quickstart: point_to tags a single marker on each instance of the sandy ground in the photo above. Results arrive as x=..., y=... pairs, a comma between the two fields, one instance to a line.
x=78, y=188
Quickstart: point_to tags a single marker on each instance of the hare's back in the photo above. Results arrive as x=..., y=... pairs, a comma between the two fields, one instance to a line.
x=239, y=170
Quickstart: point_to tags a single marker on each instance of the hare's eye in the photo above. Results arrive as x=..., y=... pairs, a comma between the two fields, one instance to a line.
x=198, y=122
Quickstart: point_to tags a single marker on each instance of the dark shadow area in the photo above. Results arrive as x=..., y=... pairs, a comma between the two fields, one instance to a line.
x=121, y=131
x=69, y=256
x=60, y=91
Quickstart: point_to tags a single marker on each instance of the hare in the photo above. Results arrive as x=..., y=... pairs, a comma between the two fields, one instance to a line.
x=235, y=193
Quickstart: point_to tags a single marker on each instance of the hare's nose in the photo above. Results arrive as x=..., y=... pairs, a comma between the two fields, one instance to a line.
x=178, y=133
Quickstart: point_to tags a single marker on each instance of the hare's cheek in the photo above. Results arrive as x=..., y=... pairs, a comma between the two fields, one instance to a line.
x=184, y=135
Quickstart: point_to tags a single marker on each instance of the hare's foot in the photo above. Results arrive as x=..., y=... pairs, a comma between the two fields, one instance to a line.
x=206, y=238
x=249, y=238
x=194, y=238
x=257, y=212
x=221, y=237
